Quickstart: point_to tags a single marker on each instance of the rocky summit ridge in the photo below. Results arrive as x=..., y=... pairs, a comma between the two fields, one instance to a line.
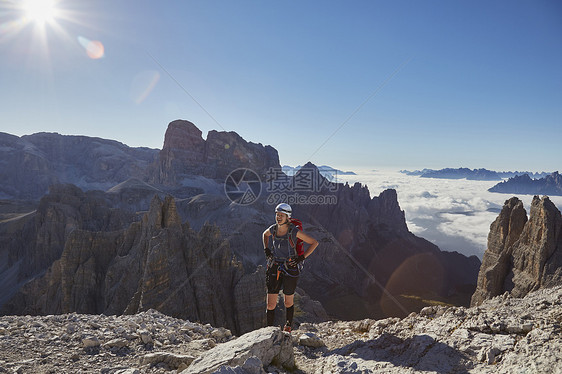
x=502, y=335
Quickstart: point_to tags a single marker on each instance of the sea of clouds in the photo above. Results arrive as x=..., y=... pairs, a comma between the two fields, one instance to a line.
x=454, y=214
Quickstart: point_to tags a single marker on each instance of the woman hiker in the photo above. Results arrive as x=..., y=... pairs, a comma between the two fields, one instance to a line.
x=284, y=260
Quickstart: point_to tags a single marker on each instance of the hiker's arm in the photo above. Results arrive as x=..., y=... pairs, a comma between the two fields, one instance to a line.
x=266, y=235
x=313, y=243
x=266, y=249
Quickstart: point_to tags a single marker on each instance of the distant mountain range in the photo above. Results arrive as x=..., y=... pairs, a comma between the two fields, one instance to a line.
x=523, y=184
x=471, y=174
x=327, y=172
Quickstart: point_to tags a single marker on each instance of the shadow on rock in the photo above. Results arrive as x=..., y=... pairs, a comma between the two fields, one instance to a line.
x=420, y=352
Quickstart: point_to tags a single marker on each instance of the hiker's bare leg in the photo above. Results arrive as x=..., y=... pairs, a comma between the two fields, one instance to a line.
x=289, y=300
x=272, y=300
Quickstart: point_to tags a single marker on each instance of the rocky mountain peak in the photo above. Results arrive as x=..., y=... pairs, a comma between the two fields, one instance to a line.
x=507, y=228
x=537, y=257
x=186, y=153
x=523, y=254
x=182, y=134
x=543, y=210
x=388, y=211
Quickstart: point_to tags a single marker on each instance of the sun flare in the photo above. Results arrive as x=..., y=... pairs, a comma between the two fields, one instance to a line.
x=40, y=11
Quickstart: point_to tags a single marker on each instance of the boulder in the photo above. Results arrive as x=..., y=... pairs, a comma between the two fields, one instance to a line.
x=173, y=361
x=310, y=339
x=270, y=345
x=252, y=365
x=90, y=342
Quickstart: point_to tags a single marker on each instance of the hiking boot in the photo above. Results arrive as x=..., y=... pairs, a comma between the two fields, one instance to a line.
x=287, y=328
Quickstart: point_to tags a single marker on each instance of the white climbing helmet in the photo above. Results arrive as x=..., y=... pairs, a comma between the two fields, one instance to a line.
x=284, y=208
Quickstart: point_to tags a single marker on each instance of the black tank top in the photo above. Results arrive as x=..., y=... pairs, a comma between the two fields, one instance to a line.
x=282, y=249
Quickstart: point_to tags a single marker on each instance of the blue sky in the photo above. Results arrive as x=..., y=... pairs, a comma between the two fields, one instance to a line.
x=437, y=83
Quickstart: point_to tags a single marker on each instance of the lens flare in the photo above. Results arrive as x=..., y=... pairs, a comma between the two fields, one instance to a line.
x=143, y=84
x=419, y=274
x=94, y=48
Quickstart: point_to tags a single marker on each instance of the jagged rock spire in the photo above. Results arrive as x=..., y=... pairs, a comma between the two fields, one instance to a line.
x=523, y=254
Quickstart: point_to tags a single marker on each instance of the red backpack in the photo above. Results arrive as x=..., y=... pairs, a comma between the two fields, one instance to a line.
x=300, y=244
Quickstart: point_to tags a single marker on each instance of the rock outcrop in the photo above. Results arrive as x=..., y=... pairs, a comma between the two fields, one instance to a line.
x=267, y=345
x=186, y=153
x=523, y=254
x=157, y=263
x=503, y=335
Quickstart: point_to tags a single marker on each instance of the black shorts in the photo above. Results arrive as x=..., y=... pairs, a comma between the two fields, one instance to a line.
x=278, y=277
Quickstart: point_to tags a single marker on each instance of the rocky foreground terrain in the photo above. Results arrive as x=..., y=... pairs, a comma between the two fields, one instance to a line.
x=502, y=335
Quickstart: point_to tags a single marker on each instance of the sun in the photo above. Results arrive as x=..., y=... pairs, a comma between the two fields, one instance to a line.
x=40, y=11
x=40, y=21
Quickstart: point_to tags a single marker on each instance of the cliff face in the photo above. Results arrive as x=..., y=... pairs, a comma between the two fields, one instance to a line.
x=537, y=257
x=523, y=254
x=157, y=263
x=185, y=152
x=30, y=242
